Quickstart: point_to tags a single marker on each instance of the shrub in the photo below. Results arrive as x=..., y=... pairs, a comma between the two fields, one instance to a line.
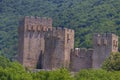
x=112, y=63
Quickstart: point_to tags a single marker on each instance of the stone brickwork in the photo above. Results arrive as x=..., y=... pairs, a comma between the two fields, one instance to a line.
x=58, y=44
x=42, y=46
x=103, y=45
x=81, y=58
x=31, y=40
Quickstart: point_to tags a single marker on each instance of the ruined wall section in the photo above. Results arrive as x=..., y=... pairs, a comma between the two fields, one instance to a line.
x=31, y=40
x=55, y=48
x=103, y=45
x=81, y=58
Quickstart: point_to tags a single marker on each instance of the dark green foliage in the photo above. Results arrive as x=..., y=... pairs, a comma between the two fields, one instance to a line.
x=60, y=74
x=15, y=71
x=4, y=62
x=97, y=75
x=12, y=70
x=84, y=16
x=112, y=63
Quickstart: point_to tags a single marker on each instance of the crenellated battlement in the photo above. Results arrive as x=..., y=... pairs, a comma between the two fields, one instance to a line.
x=105, y=39
x=103, y=45
x=81, y=58
x=53, y=47
x=38, y=28
x=105, y=35
x=82, y=52
x=62, y=29
x=58, y=32
x=36, y=23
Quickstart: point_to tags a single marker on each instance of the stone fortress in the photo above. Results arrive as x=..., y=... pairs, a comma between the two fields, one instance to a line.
x=42, y=46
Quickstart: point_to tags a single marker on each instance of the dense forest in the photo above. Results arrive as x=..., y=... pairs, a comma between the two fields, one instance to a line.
x=84, y=16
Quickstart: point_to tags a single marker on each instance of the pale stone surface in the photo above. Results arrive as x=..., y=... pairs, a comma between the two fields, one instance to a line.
x=103, y=45
x=81, y=58
x=42, y=46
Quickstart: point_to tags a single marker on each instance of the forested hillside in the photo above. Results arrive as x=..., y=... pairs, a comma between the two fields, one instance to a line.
x=84, y=16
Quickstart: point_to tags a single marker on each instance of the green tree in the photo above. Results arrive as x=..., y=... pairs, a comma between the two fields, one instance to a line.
x=112, y=63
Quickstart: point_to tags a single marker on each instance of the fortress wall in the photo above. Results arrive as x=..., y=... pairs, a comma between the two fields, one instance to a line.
x=37, y=23
x=55, y=48
x=47, y=47
x=31, y=41
x=68, y=46
x=33, y=48
x=81, y=58
x=103, y=46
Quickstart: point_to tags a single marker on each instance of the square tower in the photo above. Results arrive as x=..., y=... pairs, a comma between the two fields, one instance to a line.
x=103, y=45
x=58, y=45
x=31, y=32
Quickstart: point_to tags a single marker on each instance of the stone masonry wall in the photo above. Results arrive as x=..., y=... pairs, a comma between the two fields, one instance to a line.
x=31, y=40
x=103, y=45
x=68, y=46
x=55, y=48
x=45, y=47
x=81, y=58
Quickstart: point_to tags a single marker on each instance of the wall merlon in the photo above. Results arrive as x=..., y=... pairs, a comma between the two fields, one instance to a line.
x=115, y=36
x=103, y=35
x=37, y=21
x=76, y=51
x=26, y=18
x=81, y=52
x=49, y=22
x=44, y=21
x=70, y=30
x=32, y=20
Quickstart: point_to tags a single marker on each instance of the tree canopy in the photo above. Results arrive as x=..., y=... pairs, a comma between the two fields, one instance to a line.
x=84, y=16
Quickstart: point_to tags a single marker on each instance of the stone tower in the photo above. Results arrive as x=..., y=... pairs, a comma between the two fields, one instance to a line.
x=42, y=46
x=58, y=45
x=103, y=45
x=31, y=32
